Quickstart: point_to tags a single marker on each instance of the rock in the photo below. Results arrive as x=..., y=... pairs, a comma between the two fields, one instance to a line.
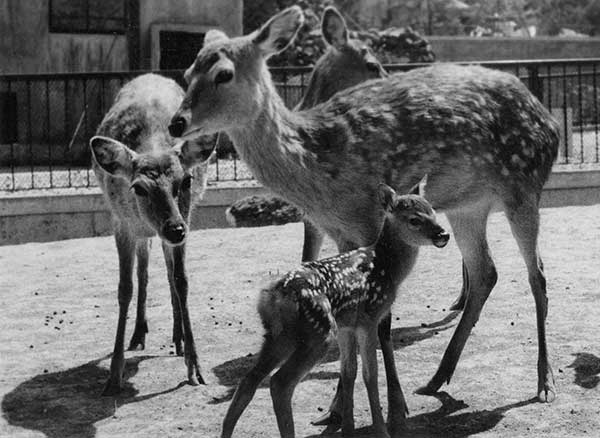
x=262, y=210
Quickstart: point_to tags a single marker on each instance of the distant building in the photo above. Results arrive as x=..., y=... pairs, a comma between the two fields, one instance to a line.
x=39, y=36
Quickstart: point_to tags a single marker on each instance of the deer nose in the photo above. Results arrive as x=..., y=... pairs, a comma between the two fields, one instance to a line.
x=174, y=232
x=177, y=126
x=441, y=239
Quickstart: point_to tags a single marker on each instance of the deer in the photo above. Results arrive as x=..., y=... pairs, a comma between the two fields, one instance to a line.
x=339, y=298
x=146, y=177
x=485, y=142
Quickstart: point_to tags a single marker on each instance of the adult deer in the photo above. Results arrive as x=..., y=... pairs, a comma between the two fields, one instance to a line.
x=344, y=296
x=483, y=139
x=147, y=182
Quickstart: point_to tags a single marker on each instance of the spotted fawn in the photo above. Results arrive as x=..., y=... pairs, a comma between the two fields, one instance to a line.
x=146, y=179
x=342, y=297
x=482, y=138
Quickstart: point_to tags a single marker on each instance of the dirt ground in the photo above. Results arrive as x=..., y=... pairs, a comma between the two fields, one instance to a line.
x=59, y=312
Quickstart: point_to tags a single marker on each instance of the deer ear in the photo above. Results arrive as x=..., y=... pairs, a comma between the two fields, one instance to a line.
x=279, y=31
x=333, y=27
x=197, y=151
x=214, y=35
x=386, y=196
x=112, y=156
x=419, y=188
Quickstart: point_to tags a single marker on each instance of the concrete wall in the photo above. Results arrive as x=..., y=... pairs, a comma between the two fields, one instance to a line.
x=223, y=14
x=27, y=46
x=490, y=49
x=31, y=217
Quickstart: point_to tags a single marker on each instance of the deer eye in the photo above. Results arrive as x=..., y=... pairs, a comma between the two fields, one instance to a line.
x=415, y=222
x=139, y=189
x=223, y=77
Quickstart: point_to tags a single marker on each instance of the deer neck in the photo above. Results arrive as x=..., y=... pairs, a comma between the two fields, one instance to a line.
x=272, y=148
x=393, y=255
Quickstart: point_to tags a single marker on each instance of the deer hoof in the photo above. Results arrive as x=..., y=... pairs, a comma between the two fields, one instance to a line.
x=329, y=419
x=111, y=388
x=427, y=390
x=459, y=304
x=547, y=395
x=179, y=348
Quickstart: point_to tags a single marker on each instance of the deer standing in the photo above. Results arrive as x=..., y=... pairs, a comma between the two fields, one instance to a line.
x=147, y=182
x=341, y=297
x=481, y=137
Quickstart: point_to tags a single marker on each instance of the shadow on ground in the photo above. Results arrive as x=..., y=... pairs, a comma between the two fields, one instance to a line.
x=587, y=370
x=229, y=373
x=68, y=403
x=442, y=422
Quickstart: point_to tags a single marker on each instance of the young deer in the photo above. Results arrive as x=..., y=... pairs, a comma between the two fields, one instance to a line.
x=483, y=139
x=147, y=182
x=344, y=296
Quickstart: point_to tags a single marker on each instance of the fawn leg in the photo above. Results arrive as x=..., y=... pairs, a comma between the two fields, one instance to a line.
x=126, y=250
x=524, y=222
x=141, y=324
x=470, y=232
x=287, y=378
x=313, y=239
x=272, y=353
x=367, y=342
x=333, y=418
x=397, y=407
x=177, y=321
x=175, y=257
x=347, y=345
x=459, y=303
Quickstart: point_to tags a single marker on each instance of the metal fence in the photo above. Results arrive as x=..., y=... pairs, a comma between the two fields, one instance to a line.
x=46, y=120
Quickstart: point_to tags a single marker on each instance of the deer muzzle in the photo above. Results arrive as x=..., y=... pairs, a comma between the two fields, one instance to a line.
x=441, y=239
x=174, y=232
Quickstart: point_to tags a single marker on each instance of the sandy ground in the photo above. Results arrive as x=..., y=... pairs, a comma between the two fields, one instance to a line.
x=59, y=312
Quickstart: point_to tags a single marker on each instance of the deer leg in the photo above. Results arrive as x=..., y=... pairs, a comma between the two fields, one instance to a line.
x=313, y=239
x=175, y=257
x=272, y=353
x=347, y=344
x=470, y=232
x=524, y=222
x=367, y=342
x=284, y=381
x=397, y=407
x=141, y=324
x=459, y=303
x=126, y=250
x=177, y=321
x=333, y=418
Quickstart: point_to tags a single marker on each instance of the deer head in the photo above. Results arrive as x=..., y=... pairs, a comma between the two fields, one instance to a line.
x=346, y=62
x=229, y=78
x=411, y=216
x=161, y=181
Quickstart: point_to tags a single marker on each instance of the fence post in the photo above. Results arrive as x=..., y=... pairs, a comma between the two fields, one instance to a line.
x=535, y=83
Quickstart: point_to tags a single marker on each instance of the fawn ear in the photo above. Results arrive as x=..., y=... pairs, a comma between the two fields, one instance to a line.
x=419, y=188
x=112, y=156
x=197, y=151
x=386, y=196
x=333, y=28
x=279, y=31
x=214, y=35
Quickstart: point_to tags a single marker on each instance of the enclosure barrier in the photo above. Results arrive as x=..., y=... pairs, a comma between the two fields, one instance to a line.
x=47, y=119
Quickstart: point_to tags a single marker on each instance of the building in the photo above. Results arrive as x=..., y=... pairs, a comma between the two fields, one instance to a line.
x=55, y=36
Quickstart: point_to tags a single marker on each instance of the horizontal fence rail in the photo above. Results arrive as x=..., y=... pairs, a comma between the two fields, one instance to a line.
x=46, y=120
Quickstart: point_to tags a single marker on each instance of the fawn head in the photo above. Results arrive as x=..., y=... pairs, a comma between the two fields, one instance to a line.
x=346, y=62
x=161, y=181
x=228, y=80
x=411, y=217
